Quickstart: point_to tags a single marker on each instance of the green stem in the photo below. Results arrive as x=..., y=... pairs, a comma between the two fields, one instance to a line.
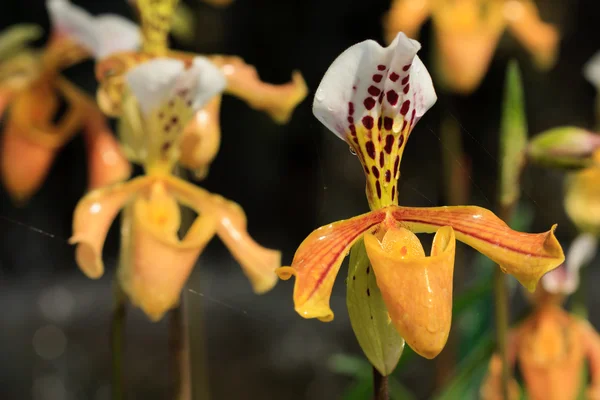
x=501, y=303
x=117, y=342
x=380, y=385
x=501, y=308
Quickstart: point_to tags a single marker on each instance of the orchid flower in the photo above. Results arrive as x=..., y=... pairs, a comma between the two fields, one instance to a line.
x=166, y=93
x=203, y=134
x=372, y=97
x=551, y=345
x=467, y=33
x=34, y=135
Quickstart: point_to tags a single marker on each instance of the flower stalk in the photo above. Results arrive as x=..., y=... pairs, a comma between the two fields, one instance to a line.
x=380, y=385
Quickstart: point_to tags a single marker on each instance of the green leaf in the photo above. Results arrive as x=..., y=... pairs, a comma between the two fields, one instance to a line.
x=345, y=364
x=470, y=370
x=16, y=38
x=513, y=136
x=369, y=317
x=564, y=147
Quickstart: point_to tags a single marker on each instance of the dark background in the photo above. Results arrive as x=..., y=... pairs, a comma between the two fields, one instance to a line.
x=289, y=179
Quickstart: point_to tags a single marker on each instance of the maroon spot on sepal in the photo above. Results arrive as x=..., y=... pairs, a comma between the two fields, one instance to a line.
x=397, y=163
x=406, y=67
x=378, y=188
x=350, y=108
x=368, y=122
x=388, y=175
x=388, y=123
x=375, y=171
x=389, y=142
x=373, y=91
x=392, y=97
x=377, y=78
x=405, y=107
x=381, y=67
x=381, y=160
x=406, y=89
x=379, y=123
x=400, y=140
x=351, y=120
x=370, y=147
x=393, y=192
x=405, y=79
x=369, y=103
x=394, y=77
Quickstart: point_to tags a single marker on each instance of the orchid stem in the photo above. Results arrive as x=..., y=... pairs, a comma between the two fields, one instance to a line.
x=501, y=308
x=117, y=342
x=380, y=386
x=180, y=341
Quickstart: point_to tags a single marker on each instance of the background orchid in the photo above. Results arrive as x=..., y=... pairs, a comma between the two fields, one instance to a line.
x=202, y=136
x=467, y=32
x=156, y=263
x=35, y=128
x=372, y=97
x=552, y=346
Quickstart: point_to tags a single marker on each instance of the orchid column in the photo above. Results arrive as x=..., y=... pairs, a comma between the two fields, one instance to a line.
x=372, y=97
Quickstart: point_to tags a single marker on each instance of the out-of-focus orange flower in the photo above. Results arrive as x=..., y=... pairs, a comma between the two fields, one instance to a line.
x=552, y=346
x=163, y=95
x=467, y=33
x=372, y=97
x=278, y=101
x=44, y=111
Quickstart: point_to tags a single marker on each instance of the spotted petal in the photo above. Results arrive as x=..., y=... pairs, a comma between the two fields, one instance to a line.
x=317, y=262
x=526, y=256
x=372, y=97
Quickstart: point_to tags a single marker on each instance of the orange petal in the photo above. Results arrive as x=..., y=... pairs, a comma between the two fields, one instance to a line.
x=539, y=38
x=466, y=40
x=106, y=162
x=159, y=263
x=526, y=256
x=318, y=259
x=93, y=216
x=257, y=262
x=201, y=139
x=406, y=16
x=25, y=164
x=279, y=101
x=417, y=290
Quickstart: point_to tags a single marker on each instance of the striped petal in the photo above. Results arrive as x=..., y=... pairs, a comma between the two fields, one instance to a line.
x=526, y=256
x=417, y=290
x=372, y=97
x=317, y=262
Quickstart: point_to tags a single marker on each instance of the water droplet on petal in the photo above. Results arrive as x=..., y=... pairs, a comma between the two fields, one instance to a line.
x=352, y=151
x=320, y=95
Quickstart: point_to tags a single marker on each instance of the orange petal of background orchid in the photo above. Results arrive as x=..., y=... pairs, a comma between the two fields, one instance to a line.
x=257, y=262
x=159, y=263
x=278, y=101
x=106, y=162
x=25, y=164
x=201, y=139
x=318, y=259
x=406, y=16
x=539, y=38
x=32, y=138
x=526, y=256
x=417, y=290
x=93, y=216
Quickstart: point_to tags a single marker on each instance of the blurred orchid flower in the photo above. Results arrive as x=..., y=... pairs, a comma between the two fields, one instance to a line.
x=166, y=94
x=551, y=345
x=372, y=97
x=574, y=148
x=467, y=33
x=31, y=85
x=203, y=135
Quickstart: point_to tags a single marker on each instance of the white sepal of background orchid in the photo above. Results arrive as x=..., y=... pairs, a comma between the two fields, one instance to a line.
x=164, y=80
x=565, y=279
x=591, y=70
x=368, y=80
x=101, y=35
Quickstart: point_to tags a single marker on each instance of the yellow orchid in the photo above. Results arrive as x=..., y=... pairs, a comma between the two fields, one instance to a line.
x=156, y=17
x=552, y=346
x=33, y=93
x=156, y=263
x=467, y=33
x=372, y=97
